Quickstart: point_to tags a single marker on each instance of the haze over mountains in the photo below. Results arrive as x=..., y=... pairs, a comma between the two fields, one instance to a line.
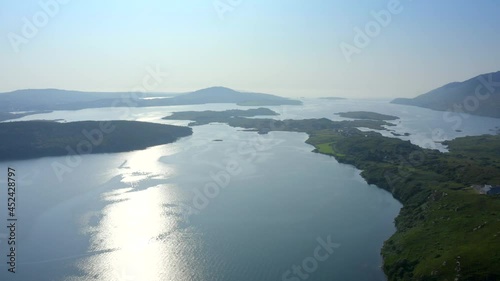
x=53, y=99
x=478, y=96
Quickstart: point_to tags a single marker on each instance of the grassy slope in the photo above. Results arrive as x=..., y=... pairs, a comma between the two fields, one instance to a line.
x=435, y=239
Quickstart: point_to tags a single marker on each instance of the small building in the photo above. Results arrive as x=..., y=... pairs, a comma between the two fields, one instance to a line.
x=487, y=189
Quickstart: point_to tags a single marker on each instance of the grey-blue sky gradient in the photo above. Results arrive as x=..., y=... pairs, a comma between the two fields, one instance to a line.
x=290, y=48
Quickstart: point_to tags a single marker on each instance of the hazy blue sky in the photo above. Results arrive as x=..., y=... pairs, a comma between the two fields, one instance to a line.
x=288, y=47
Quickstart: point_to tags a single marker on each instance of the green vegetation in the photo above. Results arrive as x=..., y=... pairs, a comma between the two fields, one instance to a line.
x=367, y=115
x=206, y=117
x=306, y=125
x=443, y=223
x=446, y=230
x=480, y=147
x=33, y=139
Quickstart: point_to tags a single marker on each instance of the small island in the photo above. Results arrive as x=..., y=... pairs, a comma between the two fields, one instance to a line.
x=331, y=98
x=400, y=135
x=209, y=116
x=236, y=118
x=34, y=139
x=367, y=115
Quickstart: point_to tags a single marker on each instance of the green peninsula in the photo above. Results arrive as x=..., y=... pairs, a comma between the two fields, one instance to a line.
x=446, y=229
x=33, y=139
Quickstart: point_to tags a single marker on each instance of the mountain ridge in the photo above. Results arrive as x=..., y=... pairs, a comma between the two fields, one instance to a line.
x=479, y=95
x=55, y=99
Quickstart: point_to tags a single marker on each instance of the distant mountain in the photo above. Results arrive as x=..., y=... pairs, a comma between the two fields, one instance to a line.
x=226, y=95
x=53, y=99
x=478, y=96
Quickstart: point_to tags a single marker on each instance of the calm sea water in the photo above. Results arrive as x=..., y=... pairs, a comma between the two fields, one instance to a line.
x=250, y=207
